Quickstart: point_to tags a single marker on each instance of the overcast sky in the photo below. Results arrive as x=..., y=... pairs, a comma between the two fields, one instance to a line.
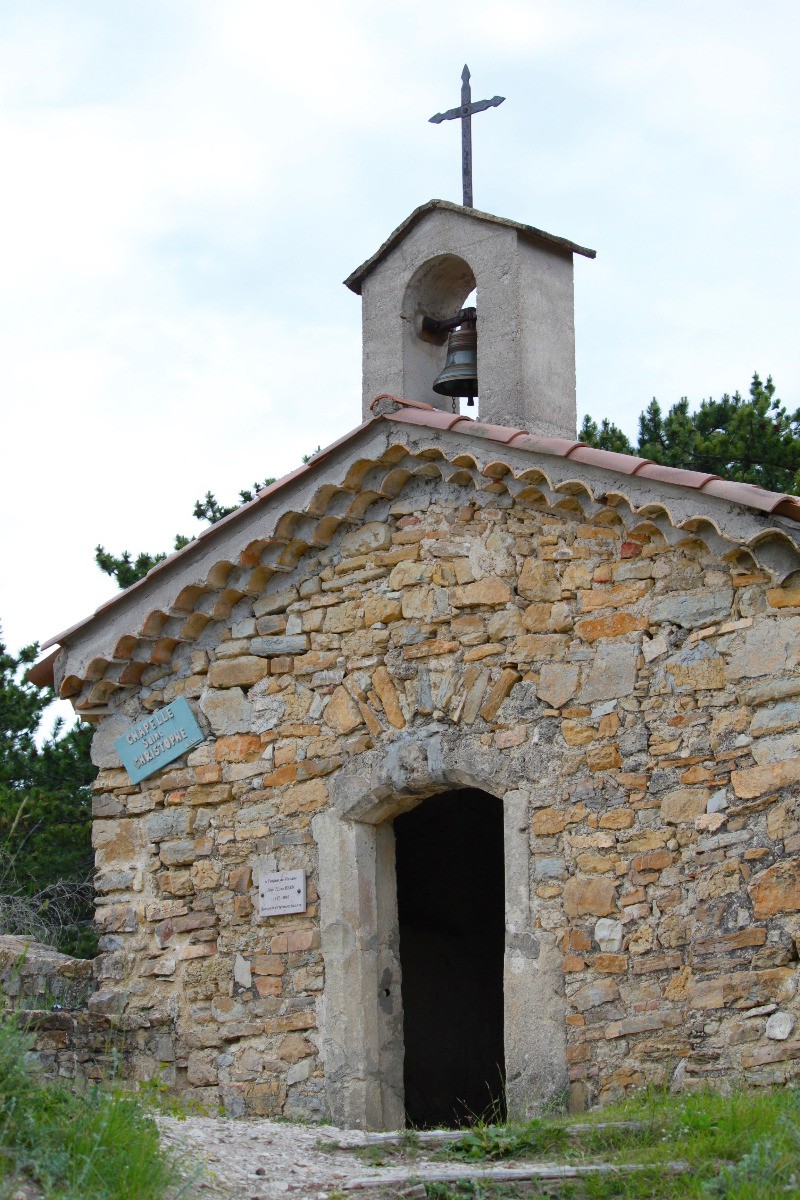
x=187, y=182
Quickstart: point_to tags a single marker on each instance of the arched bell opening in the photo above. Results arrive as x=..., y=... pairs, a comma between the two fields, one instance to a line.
x=451, y=919
x=436, y=292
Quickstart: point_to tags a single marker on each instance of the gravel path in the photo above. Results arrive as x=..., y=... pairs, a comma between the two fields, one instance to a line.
x=266, y=1160
x=269, y=1160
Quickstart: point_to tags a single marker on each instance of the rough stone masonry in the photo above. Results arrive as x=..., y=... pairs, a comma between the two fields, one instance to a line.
x=608, y=647
x=636, y=707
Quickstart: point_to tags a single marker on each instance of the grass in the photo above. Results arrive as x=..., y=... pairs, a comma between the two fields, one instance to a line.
x=745, y=1146
x=101, y=1145
x=156, y=1096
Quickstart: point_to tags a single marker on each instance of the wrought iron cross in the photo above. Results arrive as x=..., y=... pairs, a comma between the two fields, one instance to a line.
x=465, y=111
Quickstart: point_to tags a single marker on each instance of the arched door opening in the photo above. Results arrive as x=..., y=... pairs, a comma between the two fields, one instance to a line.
x=451, y=909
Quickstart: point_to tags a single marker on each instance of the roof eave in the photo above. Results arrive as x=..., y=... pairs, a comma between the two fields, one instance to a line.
x=197, y=546
x=392, y=412
x=42, y=673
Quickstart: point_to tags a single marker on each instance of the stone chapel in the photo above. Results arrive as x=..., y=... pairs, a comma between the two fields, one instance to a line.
x=519, y=717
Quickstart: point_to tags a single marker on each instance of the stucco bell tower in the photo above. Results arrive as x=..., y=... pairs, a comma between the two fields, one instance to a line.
x=525, y=305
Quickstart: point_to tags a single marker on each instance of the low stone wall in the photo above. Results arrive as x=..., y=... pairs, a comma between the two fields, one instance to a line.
x=33, y=976
x=54, y=998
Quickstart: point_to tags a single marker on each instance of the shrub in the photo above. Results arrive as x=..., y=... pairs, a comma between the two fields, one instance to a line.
x=98, y=1146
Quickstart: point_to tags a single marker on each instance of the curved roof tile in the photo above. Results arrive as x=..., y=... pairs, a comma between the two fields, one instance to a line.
x=748, y=494
x=544, y=445
x=361, y=480
x=677, y=476
x=743, y=493
x=609, y=460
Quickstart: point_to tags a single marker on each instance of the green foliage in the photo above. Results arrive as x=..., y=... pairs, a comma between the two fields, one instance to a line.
x=753, y=440
x=745, y=1146
x=605, y=436
x=209, y=508
x=376, y=1156
x=471, y=1189
x=124, y=567
x=99, y=1146
x=158, y=1097
x=529, y=1138
x=765, y=1166
x=45, y=814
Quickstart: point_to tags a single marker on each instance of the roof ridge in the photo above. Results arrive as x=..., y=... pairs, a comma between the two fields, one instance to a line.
x=355, y=279
x=751, y=494
x=402, y=412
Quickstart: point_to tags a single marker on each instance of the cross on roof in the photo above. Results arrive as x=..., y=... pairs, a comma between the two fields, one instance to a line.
x=465, y=110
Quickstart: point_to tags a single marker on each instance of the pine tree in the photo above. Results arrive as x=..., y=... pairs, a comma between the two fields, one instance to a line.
x=753, y=440
x=605, y=436
x=45, y=815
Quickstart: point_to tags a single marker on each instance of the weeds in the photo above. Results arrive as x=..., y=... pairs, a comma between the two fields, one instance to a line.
x=768, y=1165
x=98, y=1146
x=411, y=1141
x=157, y=1096
x=469, y=1189
x=508, y=1141
x=763, y=1166
x=374, y=1155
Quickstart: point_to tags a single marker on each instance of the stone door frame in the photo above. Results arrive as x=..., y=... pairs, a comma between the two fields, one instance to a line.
x=361, y=1017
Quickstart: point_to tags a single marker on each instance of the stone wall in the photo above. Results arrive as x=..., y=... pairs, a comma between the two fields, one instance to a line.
x=33, y=976
x=51, y=995
x=636, y=704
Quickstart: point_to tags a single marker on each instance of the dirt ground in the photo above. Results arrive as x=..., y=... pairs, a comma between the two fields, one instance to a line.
x=268, y=1160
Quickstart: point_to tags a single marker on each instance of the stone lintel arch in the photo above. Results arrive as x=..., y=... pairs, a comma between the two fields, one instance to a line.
x=361, y=1019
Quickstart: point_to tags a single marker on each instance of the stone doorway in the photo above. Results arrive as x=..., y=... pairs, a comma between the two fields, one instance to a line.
x=361, y=1013
x=451, y=918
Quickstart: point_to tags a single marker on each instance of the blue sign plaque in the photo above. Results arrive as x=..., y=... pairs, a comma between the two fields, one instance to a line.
x=158, y=739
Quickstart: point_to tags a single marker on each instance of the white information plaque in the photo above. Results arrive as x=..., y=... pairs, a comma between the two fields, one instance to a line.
x=282, y=892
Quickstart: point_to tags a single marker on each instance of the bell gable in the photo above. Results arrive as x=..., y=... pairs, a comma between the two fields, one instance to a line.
x=525, y=321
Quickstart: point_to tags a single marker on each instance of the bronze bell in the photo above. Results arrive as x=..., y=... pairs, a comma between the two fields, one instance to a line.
x=460, y=374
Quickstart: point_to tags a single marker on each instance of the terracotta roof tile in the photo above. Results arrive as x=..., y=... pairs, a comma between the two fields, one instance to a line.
x=743, y=493
x=433, y=418
x=398, y=400
x=414, y=413
x=41, y=673
x=609, y=460
x=789, y=507
x=503, y=434
x=313, y=462
x=674, y=475
x=404, y=412
x=560, y=447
